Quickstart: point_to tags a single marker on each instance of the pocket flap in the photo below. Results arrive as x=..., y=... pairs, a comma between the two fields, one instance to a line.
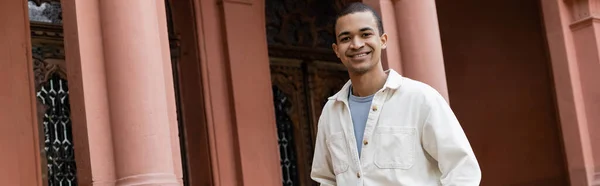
x=395, y=130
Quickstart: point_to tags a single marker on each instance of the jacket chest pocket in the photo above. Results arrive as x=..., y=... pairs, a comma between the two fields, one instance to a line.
x=339, y=152
x=395, y=147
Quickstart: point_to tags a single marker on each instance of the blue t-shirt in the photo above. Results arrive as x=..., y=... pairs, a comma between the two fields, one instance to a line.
x=359, y=110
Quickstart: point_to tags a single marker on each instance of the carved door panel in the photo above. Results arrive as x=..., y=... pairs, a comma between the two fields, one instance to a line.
x=300, y=90
x=292, y=119
x=324, y=79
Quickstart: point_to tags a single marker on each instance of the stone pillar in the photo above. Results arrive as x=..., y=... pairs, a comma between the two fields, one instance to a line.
x=585, y=28
x=19, y=131
x=254, y=129
x=170, y=91
x=89, y=104
x=137, y=92
x=573, y=32
x=420, y=43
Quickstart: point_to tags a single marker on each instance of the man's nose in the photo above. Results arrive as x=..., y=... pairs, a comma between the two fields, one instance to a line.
x=357, y=43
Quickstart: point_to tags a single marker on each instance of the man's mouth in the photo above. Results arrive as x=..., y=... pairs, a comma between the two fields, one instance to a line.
x=362, y=54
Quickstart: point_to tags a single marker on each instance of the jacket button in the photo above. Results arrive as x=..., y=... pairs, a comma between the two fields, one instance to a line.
x=358, y=175
x=365, y=142
x=374, y=108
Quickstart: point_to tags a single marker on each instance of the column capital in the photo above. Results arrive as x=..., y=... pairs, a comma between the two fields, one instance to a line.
x=581, y=10
x=585, y=22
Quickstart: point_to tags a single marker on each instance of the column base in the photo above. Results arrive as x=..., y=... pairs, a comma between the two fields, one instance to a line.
x=149, y=179
x=596, y=181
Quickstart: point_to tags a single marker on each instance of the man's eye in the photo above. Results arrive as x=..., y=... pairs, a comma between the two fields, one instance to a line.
x=345, y=39
x=367, y=34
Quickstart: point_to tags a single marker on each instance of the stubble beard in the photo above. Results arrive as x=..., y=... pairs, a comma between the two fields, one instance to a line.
x=361, y=70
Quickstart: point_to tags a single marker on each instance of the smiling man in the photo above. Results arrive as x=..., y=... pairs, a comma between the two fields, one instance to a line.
x=382, y=128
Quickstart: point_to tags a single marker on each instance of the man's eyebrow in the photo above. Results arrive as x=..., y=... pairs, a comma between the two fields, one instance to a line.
x=366, y=29
x=343, y=33
x=361, y=30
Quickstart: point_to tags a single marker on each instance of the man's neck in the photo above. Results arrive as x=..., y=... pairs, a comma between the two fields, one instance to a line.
x=368, y=83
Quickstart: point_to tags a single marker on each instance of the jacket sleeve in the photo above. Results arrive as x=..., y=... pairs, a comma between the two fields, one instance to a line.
x=322, y=169
x=444, y=139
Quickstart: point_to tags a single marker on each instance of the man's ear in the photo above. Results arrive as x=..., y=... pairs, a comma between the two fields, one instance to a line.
x=384, y=41
x=334, y=46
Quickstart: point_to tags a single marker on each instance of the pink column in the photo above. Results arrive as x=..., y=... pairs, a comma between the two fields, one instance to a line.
x=420, y=43
x=138, y=92
x=20, y=161
x=170, y=98
x=254, y=129
x=89, y=104
x=585, y=28
x=573, y=32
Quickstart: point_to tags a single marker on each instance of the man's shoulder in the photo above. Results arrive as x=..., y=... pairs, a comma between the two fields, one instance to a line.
x=329, y=105
x=417, y=88
x=422, y=93
x=328, y=112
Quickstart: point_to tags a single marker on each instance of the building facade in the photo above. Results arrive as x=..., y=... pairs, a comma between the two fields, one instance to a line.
x=228, y=92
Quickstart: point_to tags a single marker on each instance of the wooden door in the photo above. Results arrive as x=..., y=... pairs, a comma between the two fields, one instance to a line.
x=300, y=90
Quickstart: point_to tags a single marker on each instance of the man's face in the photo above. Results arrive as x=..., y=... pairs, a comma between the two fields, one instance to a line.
x=358, y=42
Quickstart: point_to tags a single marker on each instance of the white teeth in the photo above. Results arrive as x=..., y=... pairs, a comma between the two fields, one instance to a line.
x=360, y=55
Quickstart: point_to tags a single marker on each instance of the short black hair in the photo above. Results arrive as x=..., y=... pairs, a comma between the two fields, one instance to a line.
x=359, y=7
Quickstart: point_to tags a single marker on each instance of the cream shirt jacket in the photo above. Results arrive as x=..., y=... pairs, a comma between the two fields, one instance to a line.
x=412, y=138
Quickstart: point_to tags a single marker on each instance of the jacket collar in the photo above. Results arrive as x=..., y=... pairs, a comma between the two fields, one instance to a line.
x=393, y=82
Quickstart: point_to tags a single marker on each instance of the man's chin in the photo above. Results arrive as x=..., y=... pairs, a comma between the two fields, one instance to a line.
x=359, y=70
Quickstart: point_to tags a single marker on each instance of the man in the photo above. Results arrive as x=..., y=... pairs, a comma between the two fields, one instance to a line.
x=382, y=129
